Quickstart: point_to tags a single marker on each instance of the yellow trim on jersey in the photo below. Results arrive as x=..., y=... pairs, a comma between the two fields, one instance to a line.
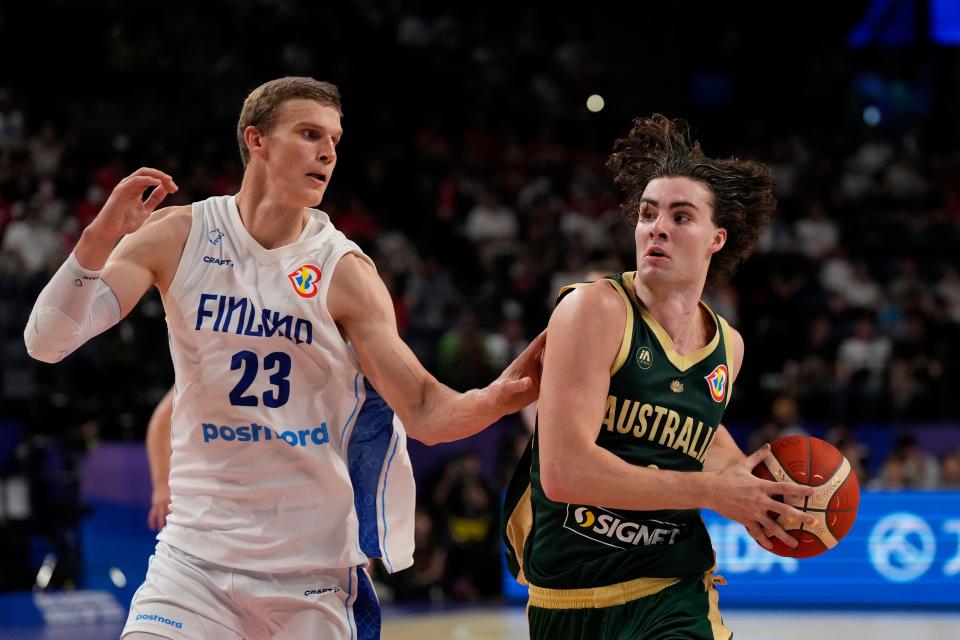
x=518, y=529
x=731, y=357
x=598, y=597
x=627, y=341
x=627, y=330
x=681, y=361
x=719, y=630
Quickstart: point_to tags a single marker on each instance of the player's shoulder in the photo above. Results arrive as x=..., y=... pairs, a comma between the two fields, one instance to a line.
x=164, y=233
x=598, y=300
x=170, y=220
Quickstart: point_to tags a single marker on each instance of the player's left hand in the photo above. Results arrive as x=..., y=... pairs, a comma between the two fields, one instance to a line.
x=159, y=509
x=519, y=384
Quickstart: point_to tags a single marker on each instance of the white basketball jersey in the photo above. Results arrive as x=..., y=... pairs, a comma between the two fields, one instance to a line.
x=284, y=457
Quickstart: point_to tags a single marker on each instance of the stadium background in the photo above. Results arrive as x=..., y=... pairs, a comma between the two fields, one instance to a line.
x=473, y=173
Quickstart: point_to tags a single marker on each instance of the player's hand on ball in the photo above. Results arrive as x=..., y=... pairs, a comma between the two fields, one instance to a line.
x=125, y=210
x=739, y=495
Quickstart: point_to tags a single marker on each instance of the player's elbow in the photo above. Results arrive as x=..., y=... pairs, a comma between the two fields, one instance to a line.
x=424, y=435
x=38, y=351
x=557, y=481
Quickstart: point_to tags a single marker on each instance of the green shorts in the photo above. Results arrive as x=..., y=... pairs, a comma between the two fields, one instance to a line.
x=686, y=610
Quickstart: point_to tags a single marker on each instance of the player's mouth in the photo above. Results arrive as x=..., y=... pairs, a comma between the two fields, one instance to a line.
x=655, y=254
x=318, y=177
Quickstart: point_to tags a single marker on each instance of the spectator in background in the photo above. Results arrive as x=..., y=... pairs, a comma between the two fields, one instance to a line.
x=949, y=289
x=920, y=469
x=784, y=421
x=423, y=581
x=462, y=358
x=469, y=509
x=817, y=235
x=861, y=364
x=845, y=440
x=950, y=470
x=892, y=476
x=492, y=227
x=32, y=241
x=431, y=298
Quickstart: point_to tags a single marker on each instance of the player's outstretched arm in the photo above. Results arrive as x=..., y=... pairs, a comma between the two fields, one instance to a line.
x=585, y=334
x=98, y=284
x=158, y=457
x=431, y=412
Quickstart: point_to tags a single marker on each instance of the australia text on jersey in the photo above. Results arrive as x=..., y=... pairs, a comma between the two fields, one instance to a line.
x=632, y=417
x=239, y=315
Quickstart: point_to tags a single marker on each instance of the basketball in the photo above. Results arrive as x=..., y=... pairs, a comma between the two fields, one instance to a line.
x=811, y=461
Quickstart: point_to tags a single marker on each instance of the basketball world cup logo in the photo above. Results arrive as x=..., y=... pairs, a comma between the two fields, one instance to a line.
x=717, y=382
x=305, y=280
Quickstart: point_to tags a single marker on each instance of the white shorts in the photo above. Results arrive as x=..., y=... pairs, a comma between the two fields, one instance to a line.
x=186, y=598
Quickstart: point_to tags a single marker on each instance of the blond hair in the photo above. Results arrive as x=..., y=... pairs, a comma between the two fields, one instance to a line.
x=261, y=107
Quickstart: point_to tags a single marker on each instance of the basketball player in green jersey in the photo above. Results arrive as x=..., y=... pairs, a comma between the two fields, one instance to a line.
x=602, y=514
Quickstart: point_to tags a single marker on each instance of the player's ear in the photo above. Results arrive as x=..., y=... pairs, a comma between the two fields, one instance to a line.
x=719, y=239
x=254, y=140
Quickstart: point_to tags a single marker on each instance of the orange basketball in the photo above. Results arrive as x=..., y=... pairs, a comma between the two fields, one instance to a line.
x=813, y=462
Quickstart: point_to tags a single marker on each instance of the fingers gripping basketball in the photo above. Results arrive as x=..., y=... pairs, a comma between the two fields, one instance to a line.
x=813, y=462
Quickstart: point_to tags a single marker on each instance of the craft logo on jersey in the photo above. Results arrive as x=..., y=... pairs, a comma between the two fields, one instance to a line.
x=644, y=358
x=305, y=280
x=614, y=530
x=717, y=381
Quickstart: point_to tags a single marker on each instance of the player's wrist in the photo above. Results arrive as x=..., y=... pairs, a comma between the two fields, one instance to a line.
x=705, y=489
x=94, y=247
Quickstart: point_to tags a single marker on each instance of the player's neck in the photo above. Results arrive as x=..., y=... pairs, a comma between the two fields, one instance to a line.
x=271, y=223
x=677, y=310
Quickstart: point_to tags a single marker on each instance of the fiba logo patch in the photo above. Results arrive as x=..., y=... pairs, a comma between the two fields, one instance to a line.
x=717, y=383
x=305, y=280
x=644, y=358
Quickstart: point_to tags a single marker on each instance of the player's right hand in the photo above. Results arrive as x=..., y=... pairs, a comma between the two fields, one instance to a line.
x=739, y=495
x=125, y=210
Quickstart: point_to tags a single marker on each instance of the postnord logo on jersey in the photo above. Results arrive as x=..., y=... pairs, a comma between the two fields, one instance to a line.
x=305, y=280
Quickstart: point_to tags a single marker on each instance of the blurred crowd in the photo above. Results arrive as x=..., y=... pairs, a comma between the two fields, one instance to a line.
x=476, y=180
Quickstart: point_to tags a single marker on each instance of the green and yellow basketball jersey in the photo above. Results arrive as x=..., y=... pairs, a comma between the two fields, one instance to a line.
x=663, y=410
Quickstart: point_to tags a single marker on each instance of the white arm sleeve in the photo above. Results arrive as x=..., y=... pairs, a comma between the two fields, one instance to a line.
x=75, y=306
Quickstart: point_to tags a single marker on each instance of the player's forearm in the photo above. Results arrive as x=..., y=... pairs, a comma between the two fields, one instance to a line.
x=598, y=477
x=74, y=306
x=158, y=456
x=158, y=440
x=94, y=248
x=723, y=451
x=445, y=415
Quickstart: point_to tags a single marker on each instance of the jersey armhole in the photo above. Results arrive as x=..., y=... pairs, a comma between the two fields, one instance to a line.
x=727, y=333
x=182, y=272
x=627, y=340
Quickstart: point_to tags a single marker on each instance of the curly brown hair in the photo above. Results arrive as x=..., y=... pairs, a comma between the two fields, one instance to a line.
x=743, y=199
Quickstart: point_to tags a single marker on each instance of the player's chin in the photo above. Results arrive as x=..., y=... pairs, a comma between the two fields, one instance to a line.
x=311, y=197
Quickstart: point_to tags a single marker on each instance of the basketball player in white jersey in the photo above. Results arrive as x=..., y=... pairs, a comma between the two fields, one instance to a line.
x=288, y=471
